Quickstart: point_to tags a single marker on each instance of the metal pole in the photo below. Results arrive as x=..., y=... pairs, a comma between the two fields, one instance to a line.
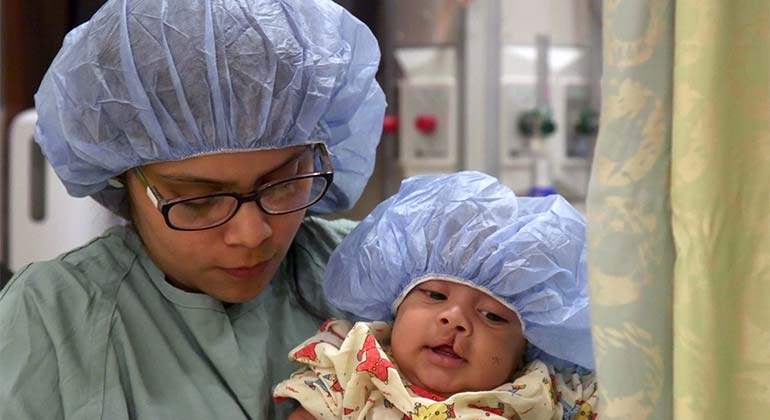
x=493, y=53
x=460, y=72
x=480, y=91
x=388, y=150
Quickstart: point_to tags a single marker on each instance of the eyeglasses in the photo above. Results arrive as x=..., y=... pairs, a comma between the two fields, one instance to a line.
x=275, y=198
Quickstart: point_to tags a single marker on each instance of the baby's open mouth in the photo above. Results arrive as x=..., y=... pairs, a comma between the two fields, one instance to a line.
x=446, y=350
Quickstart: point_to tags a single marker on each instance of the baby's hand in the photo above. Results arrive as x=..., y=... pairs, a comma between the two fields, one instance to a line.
x=300, y=414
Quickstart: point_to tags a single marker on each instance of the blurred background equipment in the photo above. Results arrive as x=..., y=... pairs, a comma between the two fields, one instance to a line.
x=510, y=88
x=44, y=220
x=468, y=84
x=31, y=32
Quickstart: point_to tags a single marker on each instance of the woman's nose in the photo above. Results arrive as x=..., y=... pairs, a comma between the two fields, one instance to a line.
x=455, y=318
x=249, y=227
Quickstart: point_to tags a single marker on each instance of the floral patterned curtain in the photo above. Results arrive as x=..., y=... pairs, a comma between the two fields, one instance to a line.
x=679, y=211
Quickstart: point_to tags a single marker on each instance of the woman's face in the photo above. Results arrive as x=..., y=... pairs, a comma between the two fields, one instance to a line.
x=232, y=262
x=449, y=338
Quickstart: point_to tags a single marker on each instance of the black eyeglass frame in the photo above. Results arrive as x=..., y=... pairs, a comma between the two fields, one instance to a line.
x=164, y=205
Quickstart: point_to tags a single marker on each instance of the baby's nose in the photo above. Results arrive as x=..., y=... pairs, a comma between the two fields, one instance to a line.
x=455, y=318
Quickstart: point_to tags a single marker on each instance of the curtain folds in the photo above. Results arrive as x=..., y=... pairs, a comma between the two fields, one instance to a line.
x=679, y=211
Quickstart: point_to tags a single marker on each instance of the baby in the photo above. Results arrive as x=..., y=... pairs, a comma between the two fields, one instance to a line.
x=490, y=301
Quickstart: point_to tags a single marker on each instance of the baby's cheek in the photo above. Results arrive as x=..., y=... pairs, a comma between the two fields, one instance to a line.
x=505, y=359
x=495, y=360
x=500, y=368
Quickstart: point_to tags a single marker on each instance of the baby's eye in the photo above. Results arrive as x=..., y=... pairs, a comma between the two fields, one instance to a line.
x=493, y=316
x=434, y=295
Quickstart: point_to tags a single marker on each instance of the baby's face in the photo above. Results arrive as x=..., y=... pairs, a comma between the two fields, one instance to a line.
x=448, y=338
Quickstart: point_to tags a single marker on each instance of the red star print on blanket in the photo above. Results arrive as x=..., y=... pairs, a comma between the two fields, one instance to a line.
x=499, y=410
x=370, y=346
x=327, y=327
x=375, y=364
x=336, y=387
x=307, y=352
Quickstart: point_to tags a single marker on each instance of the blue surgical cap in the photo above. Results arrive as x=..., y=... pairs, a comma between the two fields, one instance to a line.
x=157, y=80
x=529, y=253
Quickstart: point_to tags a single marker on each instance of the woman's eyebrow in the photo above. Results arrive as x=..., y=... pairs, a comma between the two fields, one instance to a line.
x=188, y=178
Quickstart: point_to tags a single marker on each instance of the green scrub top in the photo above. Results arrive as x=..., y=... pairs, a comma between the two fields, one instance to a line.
x=99, y=334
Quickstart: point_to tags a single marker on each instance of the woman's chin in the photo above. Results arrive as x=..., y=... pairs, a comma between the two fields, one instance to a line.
x=236, y=295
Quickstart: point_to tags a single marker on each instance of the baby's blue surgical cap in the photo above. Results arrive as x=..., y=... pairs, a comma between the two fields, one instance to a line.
x=158, y=80
x=529, y=253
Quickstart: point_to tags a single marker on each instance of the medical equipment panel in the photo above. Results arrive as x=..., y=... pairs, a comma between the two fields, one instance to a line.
x=428, y=117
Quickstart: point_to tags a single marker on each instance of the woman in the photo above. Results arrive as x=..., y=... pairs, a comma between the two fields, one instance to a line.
x=213, y=127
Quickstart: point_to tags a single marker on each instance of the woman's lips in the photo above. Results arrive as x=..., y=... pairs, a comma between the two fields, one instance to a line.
x=248, y=272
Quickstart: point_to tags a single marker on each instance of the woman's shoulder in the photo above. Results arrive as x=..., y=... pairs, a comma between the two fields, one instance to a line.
x=304, y=266
x=80, y=274
x=62, y=309
x=325, y=231
x=319, y=237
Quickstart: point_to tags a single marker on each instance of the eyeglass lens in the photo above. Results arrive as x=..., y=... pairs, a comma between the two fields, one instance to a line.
x=282, y=197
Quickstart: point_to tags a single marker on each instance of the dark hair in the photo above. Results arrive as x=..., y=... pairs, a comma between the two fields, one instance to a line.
x=124, y=207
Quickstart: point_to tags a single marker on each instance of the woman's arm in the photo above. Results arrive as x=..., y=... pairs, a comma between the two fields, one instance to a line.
x=301, y=414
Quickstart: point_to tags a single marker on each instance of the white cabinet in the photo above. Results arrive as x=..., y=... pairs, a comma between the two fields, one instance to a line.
x=44, y=221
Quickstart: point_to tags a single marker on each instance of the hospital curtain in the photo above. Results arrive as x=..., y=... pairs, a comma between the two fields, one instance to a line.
x=679, y=211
